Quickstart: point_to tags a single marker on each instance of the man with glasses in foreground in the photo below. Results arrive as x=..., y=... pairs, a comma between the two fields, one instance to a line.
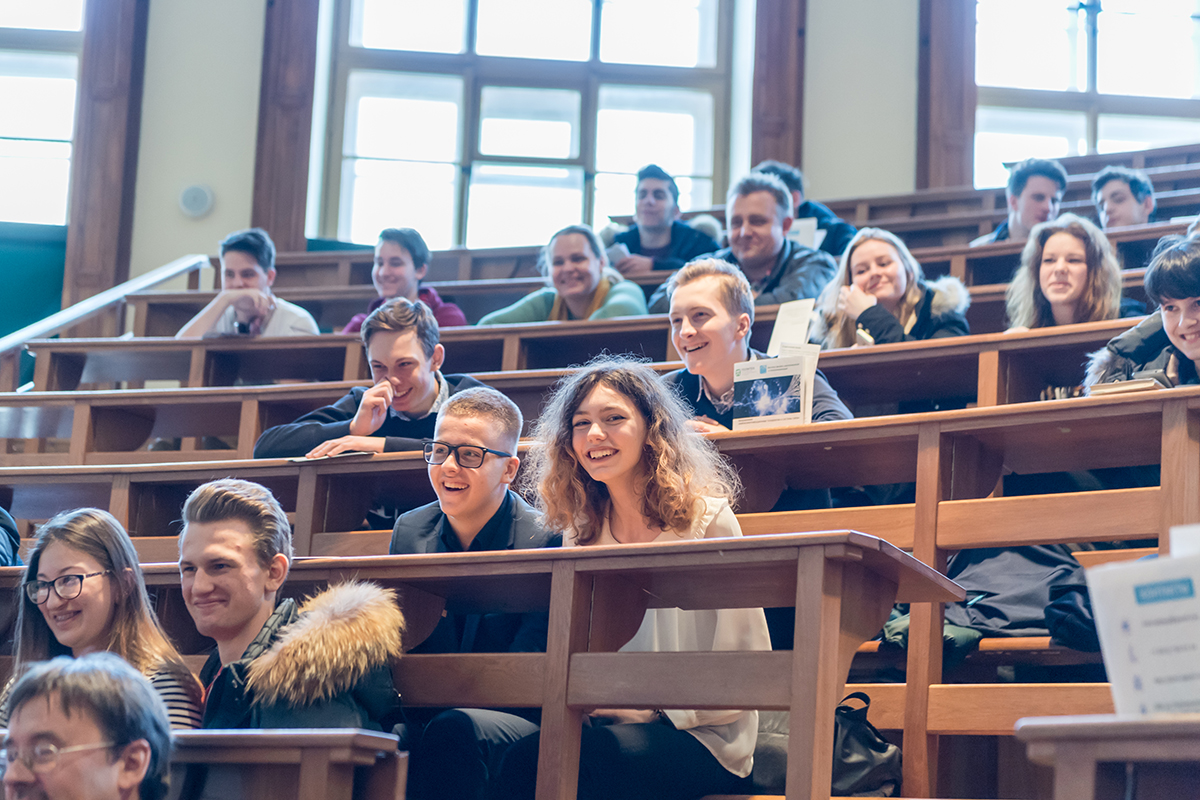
x=89, y=728
x=471, y=462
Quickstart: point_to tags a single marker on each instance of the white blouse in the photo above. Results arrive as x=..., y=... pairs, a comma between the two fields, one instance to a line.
x=729, y=735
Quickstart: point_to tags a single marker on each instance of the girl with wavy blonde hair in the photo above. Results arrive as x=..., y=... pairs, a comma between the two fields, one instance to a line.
x=616, y=463
x=1068, y=274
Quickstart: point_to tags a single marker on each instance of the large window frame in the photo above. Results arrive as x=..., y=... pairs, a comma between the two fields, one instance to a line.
x=1090, y=102
x=49, y=42
x=478, y=71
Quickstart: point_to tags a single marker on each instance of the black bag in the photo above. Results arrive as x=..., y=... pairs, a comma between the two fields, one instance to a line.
x=864, y=763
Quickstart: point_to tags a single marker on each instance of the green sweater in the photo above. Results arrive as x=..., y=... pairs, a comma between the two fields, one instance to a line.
x=625, y=299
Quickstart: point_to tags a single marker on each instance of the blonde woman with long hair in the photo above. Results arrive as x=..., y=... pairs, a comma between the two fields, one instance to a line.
x=879, y=295
x=616, y=463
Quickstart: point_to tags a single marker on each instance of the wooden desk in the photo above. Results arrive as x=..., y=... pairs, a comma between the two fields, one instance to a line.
x=842, y=585
x=300, y=764
x=1090, y=753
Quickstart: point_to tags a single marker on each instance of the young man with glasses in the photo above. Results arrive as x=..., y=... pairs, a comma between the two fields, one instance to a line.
x=472, y=460
x=88, y=728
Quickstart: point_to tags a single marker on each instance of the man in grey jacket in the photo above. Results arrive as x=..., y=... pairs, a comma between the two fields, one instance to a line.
x=758, y=215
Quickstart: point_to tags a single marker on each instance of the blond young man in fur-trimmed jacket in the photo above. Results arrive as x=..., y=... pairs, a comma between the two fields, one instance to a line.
x=323, y=664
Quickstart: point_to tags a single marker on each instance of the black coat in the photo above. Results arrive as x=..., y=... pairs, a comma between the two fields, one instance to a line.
x=297, y=438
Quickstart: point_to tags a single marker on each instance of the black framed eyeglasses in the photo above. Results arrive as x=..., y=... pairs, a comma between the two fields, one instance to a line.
x=68, y=587
x=43, y=756
x=468, y=456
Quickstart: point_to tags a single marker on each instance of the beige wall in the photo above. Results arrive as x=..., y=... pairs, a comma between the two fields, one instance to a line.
x=860, y=97
x=199, y=122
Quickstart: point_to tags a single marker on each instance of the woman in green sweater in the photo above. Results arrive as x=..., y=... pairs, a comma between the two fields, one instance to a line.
x=582, y=285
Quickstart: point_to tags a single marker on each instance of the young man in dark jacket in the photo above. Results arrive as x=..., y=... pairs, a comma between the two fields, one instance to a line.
x=325, y=664
x=472, y=460
x=398, y=412
x=657, y=239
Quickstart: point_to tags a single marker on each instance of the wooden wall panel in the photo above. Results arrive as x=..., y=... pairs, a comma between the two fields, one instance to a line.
x=104, y=158
x=285, y=112
x=946, y=94
x=777, y=122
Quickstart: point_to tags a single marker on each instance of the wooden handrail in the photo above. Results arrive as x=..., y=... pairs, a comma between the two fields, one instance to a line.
x=97, y=303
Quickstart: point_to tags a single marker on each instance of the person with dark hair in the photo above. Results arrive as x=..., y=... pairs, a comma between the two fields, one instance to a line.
x=1168, y=341
x=582, y=285
x=10, y=541
x=616, y=463
x=1123, y=196
x=83, y=592
x=1068, y=274
x=758, y=214
x=838, y=232
x=472, y=461
x=323, y=664
x=245, y=305
x=657, y=239
x=1035, y=190
x=401, y=261
x=89, y=728
x=398, y=412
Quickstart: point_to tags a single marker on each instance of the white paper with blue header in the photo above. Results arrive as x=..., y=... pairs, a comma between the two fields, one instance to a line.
x=1148, y=617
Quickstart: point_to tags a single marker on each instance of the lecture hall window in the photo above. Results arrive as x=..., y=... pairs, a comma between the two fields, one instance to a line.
x=492, y=123
x=39, y=67
x=1063, y=78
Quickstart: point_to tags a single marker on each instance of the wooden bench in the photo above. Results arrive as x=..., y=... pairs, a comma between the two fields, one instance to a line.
x=300, y=764
x=842, y=585
x=101, y=427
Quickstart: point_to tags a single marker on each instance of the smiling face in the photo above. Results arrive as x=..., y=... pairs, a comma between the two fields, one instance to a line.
x=1181, y=319
x=394, y=273
x=574, y=268
x=876, y=269
x=756, y=230
x=469, y=493
x=1117, y=206
x=227, y=591
x=82, y=623
x=239, y=270
x=80, y=775
x=398, y=358
x=1036, y=203
x=655, y=209
x=707, y=337
x=1064, y=271
x=608, y=436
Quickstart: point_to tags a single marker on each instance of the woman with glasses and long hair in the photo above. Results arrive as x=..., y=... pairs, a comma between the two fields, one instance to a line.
x=83, y=592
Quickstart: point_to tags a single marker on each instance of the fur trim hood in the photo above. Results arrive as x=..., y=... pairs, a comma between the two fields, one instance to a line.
x=338, y=637
x=949, y=295
x=1128, y=352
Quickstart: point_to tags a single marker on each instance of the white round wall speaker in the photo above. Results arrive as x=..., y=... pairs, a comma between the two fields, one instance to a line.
x=196, y=200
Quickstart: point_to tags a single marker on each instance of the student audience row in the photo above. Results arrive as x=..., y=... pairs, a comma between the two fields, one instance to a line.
x=587, y=280
x=618, y=463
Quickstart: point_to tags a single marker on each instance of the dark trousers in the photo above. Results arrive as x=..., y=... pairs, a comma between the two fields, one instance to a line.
x=459, y=752
x=649, y=761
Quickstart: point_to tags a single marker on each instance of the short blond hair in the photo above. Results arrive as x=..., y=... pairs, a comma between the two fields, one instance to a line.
x=735, y=291
x=486, y=402
x=231, y=498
